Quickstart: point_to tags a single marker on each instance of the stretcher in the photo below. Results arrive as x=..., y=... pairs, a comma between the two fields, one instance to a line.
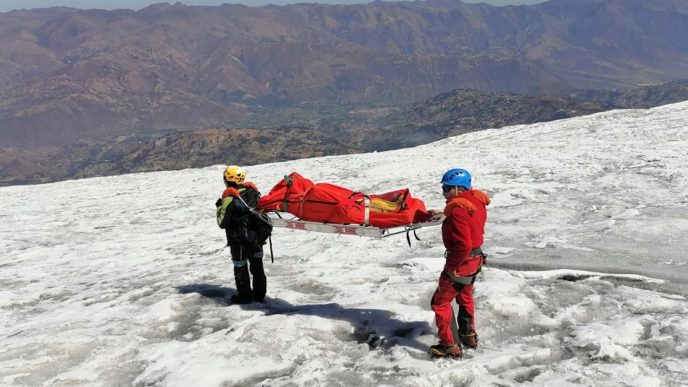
x=298, y=203
x=288, y=221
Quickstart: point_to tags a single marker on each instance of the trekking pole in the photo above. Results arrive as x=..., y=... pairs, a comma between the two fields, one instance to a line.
x=272, y=255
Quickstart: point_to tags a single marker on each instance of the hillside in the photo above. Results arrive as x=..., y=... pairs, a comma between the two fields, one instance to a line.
x=178, y=150
x=641, y=97
x=338, y=130
x=71, y=75
x=463, y=111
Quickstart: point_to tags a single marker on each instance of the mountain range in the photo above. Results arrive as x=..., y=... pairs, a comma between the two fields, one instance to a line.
x=69, y=75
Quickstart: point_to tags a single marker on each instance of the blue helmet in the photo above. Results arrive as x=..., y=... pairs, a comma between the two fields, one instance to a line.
x=457, y=177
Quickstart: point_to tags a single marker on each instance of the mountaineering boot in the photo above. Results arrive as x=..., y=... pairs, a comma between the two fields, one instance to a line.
x=443, y=350
x=469, y=340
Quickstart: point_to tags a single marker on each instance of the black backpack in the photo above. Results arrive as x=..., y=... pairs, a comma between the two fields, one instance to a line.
x=255, y=227
x=262, y=225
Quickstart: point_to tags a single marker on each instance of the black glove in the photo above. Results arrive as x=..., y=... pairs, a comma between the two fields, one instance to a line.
x=218, y=203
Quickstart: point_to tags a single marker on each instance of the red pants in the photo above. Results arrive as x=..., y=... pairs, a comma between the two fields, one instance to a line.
x=448, y=290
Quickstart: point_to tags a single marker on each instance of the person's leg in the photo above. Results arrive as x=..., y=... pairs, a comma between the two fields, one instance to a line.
x=241, y=276
x=258, y=272
x=444, y=318
x=444, y=314
x=466, y=316
x=464, y=298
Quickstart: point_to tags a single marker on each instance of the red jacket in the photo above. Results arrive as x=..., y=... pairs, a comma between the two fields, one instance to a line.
x=462, y=230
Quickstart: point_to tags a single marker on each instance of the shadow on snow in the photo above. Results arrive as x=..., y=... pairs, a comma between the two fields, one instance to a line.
x=219, y=294
x=374, y=327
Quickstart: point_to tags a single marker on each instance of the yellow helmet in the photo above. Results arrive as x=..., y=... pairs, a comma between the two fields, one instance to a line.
x=234, y=174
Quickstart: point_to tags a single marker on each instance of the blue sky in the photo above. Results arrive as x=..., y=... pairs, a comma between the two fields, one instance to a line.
x=8, y=5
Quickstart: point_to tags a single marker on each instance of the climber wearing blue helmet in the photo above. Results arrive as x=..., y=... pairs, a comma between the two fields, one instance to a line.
x=462, y=234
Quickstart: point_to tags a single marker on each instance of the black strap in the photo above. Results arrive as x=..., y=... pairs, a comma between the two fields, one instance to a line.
x=473, y=253
x=408, y=236
x=476, y=251
x=470, y=279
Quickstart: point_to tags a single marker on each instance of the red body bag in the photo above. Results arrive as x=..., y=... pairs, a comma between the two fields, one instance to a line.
x=328, y=203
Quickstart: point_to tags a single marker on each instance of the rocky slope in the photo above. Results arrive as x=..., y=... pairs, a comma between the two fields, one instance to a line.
x=466, y=110
x=641, y=97
x=339, y=130
x=177, y=150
